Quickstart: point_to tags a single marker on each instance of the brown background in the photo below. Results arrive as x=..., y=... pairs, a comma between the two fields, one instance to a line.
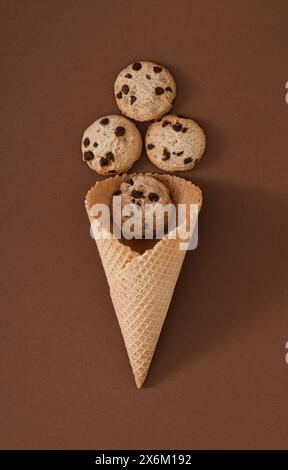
x=219, y=377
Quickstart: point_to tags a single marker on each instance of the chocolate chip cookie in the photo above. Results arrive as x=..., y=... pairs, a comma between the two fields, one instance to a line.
x=111, y=145
x=175, y=143
x=144, y=91
x=148, y=196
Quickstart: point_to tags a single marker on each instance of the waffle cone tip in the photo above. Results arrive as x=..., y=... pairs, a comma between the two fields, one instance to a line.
x=140, y=380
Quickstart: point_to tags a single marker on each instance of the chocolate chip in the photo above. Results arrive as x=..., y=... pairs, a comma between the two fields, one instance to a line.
x=128, y=75
x=185, y=129
x=187, y=160
x=86, y=142
x=167, y=157
x=177, y=127
x=168, y=88
x=88, y=156
x=103, y=161
x=119, y=131
x=179, y=153
x=104, y=121
x=148, y=76
x=137, y=66
x=150, y=146
x=95, y=144
x=125, y=89
x=166, y=153
x=138, y=203
x=117, y=193
x=153, y=197
x=157, y=69
x=159, y=90
x=137, y=194
x=119, y=95
x=133, y=201
x=130, y=182
x=165, y=123
x=110, y=157
x=132, y=99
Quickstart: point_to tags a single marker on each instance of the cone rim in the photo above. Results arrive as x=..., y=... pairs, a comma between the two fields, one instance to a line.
x=134, y=253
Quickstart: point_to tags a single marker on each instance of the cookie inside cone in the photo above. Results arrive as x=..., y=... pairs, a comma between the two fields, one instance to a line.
x=172, y=190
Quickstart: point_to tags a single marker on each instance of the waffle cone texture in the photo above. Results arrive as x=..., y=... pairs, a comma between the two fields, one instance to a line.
x=141, y=285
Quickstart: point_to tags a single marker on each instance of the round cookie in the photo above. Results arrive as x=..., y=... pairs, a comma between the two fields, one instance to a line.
x=175, y=143
x=111, y=145
x=144, y=91
x=144, y=193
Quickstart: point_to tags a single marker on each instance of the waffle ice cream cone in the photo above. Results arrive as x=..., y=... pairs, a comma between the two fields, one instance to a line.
x=141, y=285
